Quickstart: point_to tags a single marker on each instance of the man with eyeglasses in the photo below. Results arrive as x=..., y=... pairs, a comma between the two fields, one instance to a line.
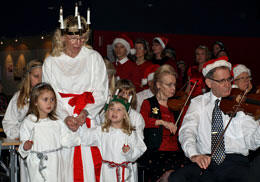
x=214, y=159
x=78, y=75
x=242, y=77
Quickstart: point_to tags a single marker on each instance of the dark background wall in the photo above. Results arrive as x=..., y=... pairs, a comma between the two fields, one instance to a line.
x=203, y=17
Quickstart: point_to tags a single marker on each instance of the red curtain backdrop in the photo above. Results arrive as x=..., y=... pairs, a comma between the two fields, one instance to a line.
x=242, y=50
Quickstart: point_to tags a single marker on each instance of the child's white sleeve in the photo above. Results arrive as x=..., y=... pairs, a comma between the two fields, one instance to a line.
x=137, y=147
x=25, y=134
x=90, y=136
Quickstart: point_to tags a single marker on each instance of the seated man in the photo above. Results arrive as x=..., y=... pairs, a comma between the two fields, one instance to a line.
x=215, y=159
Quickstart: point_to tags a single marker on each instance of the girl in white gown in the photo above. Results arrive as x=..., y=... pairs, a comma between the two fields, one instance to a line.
x=119, y=143
x=41, y=134
x=18, y=107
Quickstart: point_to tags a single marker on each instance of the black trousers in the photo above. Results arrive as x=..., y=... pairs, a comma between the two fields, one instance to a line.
x=235, y=168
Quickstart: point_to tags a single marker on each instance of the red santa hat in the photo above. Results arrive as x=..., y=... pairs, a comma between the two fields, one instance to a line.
x=149, y=73
x=238, y=69
x=126, y=41
x=162, y=40
x=214, y=63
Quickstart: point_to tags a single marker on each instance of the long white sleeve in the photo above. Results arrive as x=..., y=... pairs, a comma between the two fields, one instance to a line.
x=13, y=118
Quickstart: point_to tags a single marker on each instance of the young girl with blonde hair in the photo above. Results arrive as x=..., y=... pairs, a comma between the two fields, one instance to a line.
x=119, y=144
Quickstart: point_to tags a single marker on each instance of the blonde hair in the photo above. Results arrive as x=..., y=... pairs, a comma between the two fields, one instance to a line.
x=36, y=92
x=160, y=72
x=127, y=85
x=126, y=125
x=111, y=71
x=25, y=87
x=70, y=24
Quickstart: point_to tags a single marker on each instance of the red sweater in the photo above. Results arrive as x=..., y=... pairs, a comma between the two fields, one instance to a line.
x=194, y=74
x=127, y=71
x=169, y=143
x=140, y=75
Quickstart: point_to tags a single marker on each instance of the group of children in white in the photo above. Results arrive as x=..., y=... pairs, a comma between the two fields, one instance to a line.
x=45, y=137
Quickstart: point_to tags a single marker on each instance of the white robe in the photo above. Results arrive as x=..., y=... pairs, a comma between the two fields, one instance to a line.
x=14, y=117
x=11, y=124
x=84, y=73
x=137, y=121
x=110, y=145
x=46, y=135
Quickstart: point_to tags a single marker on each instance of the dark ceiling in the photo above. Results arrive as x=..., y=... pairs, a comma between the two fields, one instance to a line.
x=204, y=17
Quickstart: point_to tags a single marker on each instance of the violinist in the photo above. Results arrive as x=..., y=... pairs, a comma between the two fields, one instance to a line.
x=195, y=71
x=202, y=127
x=242, y=77
x=160, y=124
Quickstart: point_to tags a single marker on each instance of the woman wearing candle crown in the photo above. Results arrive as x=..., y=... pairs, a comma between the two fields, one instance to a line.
x=79, y=78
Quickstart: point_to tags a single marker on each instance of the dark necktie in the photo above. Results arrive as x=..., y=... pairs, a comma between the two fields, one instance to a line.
x=216, y=129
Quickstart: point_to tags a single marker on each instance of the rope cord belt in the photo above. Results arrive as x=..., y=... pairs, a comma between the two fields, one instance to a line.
x=42, y=156
x=117, y=166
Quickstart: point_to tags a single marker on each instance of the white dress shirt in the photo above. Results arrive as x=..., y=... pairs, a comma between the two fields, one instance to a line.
x=242, y=134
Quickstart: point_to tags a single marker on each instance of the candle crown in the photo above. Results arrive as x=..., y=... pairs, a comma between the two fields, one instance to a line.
x=74, y=25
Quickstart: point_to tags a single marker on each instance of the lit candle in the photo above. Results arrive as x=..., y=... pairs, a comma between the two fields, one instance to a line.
x=117, y=91
x=130, y=98
x=79, y=22
x=61, y=19
x=76, y=10
x=126, y=140
x=88, y=16
x=108, y=99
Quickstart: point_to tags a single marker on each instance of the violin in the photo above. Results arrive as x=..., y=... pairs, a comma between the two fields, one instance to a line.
x=178, y=101
x=250, y=103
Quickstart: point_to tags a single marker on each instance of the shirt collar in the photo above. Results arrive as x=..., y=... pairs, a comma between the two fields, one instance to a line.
x=122, y=61
x=213, y=98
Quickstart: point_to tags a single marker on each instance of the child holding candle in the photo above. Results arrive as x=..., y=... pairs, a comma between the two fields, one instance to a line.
x=119, y=144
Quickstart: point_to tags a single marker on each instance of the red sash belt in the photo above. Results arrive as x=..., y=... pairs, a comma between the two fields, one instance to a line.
x=80, y=101
x=117, y=166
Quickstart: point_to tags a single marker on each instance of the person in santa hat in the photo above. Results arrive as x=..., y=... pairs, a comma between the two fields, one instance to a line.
x=159, y=54
x=201, y=132
x=163, y=54
x=142, y=56
x=147, y=80
x=78, y=76
x=125, y=68
x=242, y=77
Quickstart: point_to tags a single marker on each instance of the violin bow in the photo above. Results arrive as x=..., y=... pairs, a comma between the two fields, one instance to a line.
x=179, y=117
x=232, y=116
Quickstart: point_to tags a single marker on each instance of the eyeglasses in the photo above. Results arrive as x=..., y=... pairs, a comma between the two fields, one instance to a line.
x=74, y=39
x=223, y=81
x=244, y=78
